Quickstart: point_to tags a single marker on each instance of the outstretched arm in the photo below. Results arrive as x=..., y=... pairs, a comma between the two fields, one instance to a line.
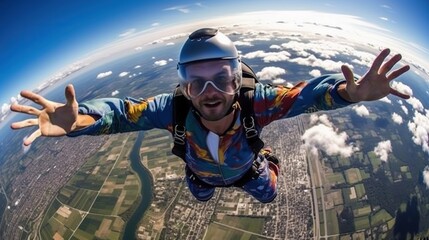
x=375, y=84
x=54, y=119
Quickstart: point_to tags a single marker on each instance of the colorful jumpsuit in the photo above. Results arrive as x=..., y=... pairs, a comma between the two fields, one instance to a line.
x=234, y=156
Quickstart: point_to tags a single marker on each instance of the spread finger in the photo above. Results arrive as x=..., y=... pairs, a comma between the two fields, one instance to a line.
x=32, y=137
x=35, y=98
x=25, y=109
x=25, y=123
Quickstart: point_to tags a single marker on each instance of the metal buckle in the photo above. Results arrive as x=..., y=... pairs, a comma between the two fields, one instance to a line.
x=249, y=127
x=179, y=134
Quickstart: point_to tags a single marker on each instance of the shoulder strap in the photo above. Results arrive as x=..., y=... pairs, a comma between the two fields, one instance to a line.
x=247, y=113
x=181, y=108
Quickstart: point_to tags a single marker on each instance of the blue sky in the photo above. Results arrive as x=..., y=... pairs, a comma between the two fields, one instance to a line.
x=38, y=38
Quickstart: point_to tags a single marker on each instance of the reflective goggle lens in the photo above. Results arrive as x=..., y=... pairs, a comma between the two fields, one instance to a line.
x=229, y=82
x=228, y=86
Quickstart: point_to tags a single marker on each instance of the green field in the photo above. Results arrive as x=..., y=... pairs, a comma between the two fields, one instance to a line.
x=335, y=177
x=375, y=161
x=104, y=204
x=380, y=217
x=363, y=211
x=353, y=175
x=361, y=223
x=332, y=222
x=360, y=190
x=82, y=199
x=230, y=232
x=104, y=185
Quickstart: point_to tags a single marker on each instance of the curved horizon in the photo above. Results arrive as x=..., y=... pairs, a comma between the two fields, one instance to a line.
x=413, y=52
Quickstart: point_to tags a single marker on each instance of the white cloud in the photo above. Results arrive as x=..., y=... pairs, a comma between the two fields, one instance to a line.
x=361, y=110
x=384, y=18
x=261, y=38
x=268, y=56
x=155, y=24
x=314, y=118
x=426, y=176
x=315, y=73
x=322, y=48
x=242, y=43
x=405, y=109
x=104, y=74
x=402, y=88
x=417, y=105
x=279, y=81
x=270, y=73
x=419, y=127
x=386, y=100
x=137, y=66
x=123, y=74
x=397, y=118
x=114, y=93
x=182, y=9
x=160, y=63
x=383, y=149
x=254, y=54
x=5, y=108
x=313, y=61
x=15, y=99
x=128, y=32
x=274, y=46
x=315, y=138
x=324, y=119
x=169, y=44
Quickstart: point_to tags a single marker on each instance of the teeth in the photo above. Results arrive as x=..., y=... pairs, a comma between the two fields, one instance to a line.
x=211, y=103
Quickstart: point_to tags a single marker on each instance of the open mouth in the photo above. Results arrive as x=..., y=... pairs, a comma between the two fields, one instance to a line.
x=212, y=104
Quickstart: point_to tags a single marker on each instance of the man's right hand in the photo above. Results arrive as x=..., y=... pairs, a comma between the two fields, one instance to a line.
x=53, y=120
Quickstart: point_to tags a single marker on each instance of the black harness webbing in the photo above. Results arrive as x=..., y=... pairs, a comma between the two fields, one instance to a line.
x=181, y=107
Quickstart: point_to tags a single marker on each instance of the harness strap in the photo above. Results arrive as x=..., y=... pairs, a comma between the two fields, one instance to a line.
x=248, y=117
x=251, y=174
x=181, y=108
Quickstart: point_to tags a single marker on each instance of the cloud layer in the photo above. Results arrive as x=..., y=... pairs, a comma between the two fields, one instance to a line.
x=383, y=149
x=316, y=138
x=426, y=176
x=104, y=74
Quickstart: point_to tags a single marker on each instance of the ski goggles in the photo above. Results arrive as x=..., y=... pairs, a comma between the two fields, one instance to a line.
x=226, y=82
x=228, y=86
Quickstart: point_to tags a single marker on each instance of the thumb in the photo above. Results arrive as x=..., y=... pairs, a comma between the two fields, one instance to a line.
x=348, y=75
x=70, y=94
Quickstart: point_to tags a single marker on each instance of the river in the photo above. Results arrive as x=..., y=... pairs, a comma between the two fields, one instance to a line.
x=145, y=190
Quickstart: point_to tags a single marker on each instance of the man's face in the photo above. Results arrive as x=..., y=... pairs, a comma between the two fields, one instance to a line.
x=211, y=103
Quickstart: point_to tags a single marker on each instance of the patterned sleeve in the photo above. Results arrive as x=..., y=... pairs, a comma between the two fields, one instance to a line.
x=117, y=115
x=276, y=102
